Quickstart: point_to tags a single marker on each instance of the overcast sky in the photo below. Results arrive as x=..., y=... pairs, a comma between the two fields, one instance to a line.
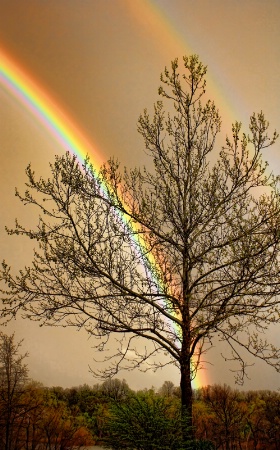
x=101, y=60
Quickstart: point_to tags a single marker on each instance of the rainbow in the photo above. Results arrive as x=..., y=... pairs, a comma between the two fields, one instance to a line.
x=22, y=86
x=171, y=41
x=16, y=81
x=64, y=130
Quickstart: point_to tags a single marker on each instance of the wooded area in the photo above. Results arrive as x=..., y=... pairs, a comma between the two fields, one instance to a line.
x=35, y=417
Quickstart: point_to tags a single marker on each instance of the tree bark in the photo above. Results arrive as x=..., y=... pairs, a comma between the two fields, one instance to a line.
x=186, y=395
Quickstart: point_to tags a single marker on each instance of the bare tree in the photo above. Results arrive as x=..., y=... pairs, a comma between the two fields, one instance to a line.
x=115, y=389
x=13, y=376
x=167, y=389
x=175, y=255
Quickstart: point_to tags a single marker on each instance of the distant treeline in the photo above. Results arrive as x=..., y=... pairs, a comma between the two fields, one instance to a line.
x=57, y=418
x=34, y=417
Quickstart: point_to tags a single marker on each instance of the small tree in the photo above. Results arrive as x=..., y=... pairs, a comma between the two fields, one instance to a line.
x=167, y=389
x=175, y=255
x=13, y=377
x=115, y=389
x=144, y=422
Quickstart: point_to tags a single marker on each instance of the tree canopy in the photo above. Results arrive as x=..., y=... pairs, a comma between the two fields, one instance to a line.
x=176, y=253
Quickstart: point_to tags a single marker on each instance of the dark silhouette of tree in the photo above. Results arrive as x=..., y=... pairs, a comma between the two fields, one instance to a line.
x=13, y=377
x=174, y=255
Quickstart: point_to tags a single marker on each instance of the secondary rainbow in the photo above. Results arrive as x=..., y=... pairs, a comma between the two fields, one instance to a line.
x=171, y=41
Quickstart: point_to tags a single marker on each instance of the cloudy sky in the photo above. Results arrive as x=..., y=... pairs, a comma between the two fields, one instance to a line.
x=100, y=60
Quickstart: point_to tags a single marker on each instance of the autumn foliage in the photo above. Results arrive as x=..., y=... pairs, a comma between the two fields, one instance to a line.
x=34, y=417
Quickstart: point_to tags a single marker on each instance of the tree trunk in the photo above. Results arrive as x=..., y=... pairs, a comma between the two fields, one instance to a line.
x=185, y=363
x=186, y=397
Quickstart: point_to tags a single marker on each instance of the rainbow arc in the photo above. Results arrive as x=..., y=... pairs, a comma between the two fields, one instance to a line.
x=15, y=80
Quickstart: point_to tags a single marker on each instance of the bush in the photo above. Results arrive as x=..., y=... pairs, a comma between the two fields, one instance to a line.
x=144, y=422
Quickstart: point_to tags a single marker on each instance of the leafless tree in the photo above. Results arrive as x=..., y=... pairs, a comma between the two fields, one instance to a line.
x=172, y=256
x=167, y=389
x=115, y=389
x=13, y=376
